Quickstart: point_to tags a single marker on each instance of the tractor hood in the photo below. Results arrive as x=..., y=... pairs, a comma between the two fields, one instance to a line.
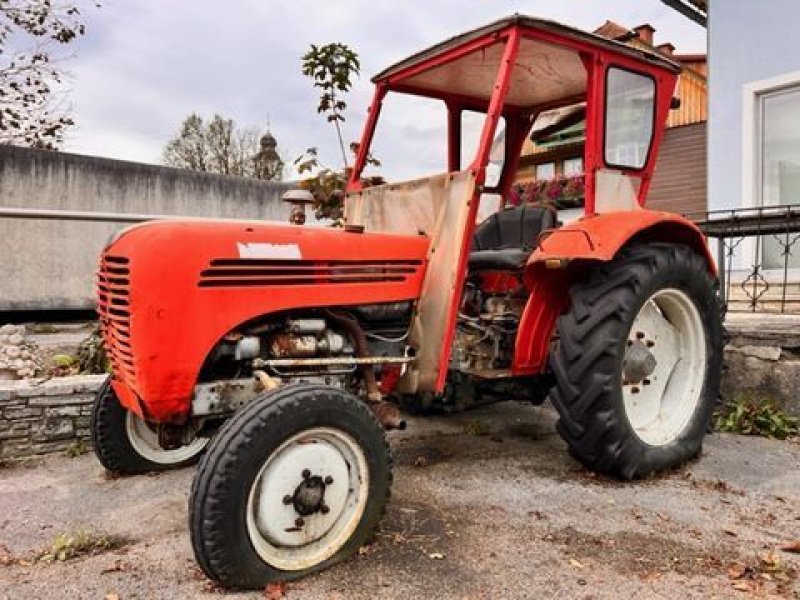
x=169, y=290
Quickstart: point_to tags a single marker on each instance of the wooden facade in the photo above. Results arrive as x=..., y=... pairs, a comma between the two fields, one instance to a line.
x=679, y=182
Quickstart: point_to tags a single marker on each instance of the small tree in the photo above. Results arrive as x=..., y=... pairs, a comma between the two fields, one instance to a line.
x=219, y=146
x=32, y=105
x=332, y=68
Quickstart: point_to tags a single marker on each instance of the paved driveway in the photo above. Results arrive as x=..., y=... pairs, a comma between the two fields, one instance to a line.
x=502, y=515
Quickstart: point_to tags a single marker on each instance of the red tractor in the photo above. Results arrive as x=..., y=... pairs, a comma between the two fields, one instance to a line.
x=280, y=353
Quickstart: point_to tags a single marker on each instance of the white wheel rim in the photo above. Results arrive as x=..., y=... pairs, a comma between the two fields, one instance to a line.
x=660, y=398
x=272, y=520
x=145, y=442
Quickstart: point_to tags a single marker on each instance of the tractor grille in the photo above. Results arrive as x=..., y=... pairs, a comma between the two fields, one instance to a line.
x=225, y=273
x=113, y=307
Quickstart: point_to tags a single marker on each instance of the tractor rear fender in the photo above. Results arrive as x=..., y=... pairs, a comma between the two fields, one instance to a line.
x=563, y=254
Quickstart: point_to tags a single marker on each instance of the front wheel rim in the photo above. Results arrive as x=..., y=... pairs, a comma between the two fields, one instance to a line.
x=144, y=441
x=308, y=498
x=664, y=368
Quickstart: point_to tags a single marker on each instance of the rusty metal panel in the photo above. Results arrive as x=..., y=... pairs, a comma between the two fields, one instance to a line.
x=544, y=72
x=430, y=320
x=410, y=207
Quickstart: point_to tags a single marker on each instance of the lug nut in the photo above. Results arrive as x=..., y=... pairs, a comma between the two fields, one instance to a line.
x=324, y=509
x=650, y=343
x=328, y=480
x=645, y=382
x=287, y=499
x=639, y=335
x=306, y=473
x=634, y=390
x=298, y=522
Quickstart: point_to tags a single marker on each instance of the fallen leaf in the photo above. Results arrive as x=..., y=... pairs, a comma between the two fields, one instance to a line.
x=791, y=547
x=118, y=565
x=436, y=555
x=575, y=563
x=737, y=571
x=746, y=586
x=5, y=556
x=112, y=596
x=275, y=590
x=730, y=532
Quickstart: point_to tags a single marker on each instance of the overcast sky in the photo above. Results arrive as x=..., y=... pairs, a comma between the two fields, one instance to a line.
x=144, y=65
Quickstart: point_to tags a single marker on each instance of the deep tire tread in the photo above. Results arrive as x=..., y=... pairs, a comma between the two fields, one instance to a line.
x=210, y=517
x=586, y=359
x=110, y=437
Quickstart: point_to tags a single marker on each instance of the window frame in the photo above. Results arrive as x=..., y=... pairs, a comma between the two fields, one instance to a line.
x=551, y=163
x=753, y=97
x=575, y=174
x=628, y=168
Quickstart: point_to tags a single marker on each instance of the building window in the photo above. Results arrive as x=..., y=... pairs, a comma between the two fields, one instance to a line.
x=573, y=166
x=779, y=146
x=546, y=170
x=772, y=154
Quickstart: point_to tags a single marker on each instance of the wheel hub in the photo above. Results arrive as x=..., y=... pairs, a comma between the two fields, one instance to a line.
x=639, y=363
x=309, y=496
x=295, y=506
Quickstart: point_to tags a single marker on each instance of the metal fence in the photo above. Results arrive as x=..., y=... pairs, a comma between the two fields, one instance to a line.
x=758, y=256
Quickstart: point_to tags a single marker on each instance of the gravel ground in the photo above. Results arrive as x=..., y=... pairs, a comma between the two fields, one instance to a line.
x=506, y=514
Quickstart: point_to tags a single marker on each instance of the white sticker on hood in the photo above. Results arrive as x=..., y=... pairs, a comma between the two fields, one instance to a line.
x=263, y=250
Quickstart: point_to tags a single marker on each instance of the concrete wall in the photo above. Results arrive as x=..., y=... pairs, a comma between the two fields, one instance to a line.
x=51, y=264
x=748, y=41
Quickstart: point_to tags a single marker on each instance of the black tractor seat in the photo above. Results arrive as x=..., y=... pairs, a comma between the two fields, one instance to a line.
x=505, y=240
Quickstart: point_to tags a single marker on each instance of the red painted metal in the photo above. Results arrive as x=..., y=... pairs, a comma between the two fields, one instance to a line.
x=479, y=167
x=549, y=297
x=453, y=137
x=164, y=318
x=600, y=238
x=171, y=322
x=354, y=184
x=449, y=56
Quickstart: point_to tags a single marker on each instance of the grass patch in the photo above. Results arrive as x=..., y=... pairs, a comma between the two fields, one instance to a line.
x=67, y=546
x=476, y=427
x=752, y=414
x=76, y=449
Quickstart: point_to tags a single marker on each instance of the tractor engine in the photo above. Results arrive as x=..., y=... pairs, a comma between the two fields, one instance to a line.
x=318, y=347
x=487, y=324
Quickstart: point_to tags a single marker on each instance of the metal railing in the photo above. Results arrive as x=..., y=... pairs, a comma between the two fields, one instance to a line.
x=744, y=237
x=49, y=214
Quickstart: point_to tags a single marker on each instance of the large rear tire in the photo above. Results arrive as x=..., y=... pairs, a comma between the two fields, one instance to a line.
x=293, y=483
x=125, y=443
x=638, y=361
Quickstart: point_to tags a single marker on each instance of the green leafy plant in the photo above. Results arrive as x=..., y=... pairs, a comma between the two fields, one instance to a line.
x=751, y=414
x=66, y=546
x=332, y=68
x=92, y=358
x=477, y=428
x=76, y=449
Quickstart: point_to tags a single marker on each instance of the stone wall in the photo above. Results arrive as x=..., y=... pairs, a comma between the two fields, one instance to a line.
x=762, y=358
x=41, y=417
x=51, y=264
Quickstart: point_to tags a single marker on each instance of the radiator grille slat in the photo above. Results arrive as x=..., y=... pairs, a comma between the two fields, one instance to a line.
x=113, y=301
x=229, y=272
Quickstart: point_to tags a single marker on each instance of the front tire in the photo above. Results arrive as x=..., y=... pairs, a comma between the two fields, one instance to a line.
x=125, y=443
x=293, y=483
x=638, y=361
